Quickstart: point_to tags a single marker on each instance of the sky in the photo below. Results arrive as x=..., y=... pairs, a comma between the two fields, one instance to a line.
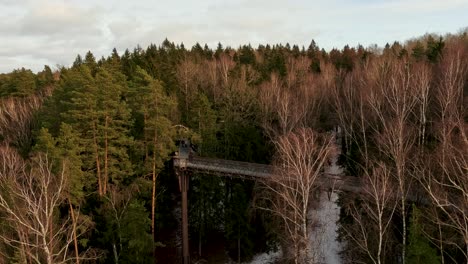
x=34, y=33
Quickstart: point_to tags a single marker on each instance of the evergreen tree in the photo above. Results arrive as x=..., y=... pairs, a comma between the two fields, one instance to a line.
x=96, y=110
x=202, y=119
x=154, y=106
x=434, y=49
x=90, y=61
x=113, y=127
x=246, y=55
x=419, y=249
x=64, y=152
x=19, y=83
x=128, y=64
x=238, y=230
x=219, y=50
x=313, y=50
x=45, y=78
x=136, y=240
x=65, y=149
x=78, y=61
x=418, y=51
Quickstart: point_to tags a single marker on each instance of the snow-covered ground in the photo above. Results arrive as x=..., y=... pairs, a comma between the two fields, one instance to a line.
x=323, y=235
x=265, y=258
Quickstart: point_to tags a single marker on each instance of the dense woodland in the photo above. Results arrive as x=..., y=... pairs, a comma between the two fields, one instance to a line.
x=86, y=177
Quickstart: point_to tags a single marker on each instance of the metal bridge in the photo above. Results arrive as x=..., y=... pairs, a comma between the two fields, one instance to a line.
x=255, y=171
x=185, y=161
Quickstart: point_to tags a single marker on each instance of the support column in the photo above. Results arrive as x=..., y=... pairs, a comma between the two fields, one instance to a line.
x=184, y=187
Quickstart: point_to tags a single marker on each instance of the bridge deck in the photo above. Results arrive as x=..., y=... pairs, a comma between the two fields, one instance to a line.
x=255, y=171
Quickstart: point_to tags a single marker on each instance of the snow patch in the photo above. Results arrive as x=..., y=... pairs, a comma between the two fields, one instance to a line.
x=264, y=258
x=323, y=236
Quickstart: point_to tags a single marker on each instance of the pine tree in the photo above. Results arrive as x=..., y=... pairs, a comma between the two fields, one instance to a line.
x=202, y=119
x=135, y=237
x=19, y=83
x=237, y=225
x=81, y=111
x=114, y=124
x=45, y=78
x=150, y=102
x=90, y=61
x=96, y=110
x=78, y=61
x=418, y=51
x=419, y=249
x=434, y=49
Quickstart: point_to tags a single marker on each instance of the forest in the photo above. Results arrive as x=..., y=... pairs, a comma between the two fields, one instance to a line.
x=85, y=152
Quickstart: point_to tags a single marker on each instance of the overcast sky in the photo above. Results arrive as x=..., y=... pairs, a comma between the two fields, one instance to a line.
x=35, y=32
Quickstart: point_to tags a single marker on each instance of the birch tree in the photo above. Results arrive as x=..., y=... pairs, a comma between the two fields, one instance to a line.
x=301, y=157
x=30, y=201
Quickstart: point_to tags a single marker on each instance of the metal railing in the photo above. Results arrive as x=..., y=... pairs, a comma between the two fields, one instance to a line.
x=255, y=171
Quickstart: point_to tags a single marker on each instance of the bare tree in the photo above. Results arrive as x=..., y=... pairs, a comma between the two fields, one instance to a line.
x=296, y=70
x=348, y=98
x=394, y=101
x=447, y=183
x=377, y=105
x=15, y=118
x=301, y=157
x=187, y=71
x=225, y=64
x=422, y=94
x=449, y=190
x=30, y=199
x=285, y=109
x=239, y=96
x=377, y=205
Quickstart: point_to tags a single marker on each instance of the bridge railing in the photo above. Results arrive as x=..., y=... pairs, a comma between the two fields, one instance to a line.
x=257, y=171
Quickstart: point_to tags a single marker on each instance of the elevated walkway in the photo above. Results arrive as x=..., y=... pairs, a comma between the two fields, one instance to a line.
x=185, y=160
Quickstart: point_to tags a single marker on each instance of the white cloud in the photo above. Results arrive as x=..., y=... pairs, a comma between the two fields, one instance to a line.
x=421, y=6
x=54, y=31
x=51, y=19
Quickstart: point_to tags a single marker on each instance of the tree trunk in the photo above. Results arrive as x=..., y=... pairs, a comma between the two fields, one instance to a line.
x=106, y=156
x=116, y=255
x=145, y=136
x=441, y=244
x=75, y=241
x=98, y=163
x=238, y=244
x=153, y=197
x=403, y=212
x=379, y=251
x=48, y=253
x=199, y=243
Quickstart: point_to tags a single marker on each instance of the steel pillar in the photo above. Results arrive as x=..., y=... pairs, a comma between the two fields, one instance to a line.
x=184, y=187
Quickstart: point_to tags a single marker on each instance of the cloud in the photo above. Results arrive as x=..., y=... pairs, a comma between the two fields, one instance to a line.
x=47, y=32
x=55, y=18
x=420, y=6
x=37, y=32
